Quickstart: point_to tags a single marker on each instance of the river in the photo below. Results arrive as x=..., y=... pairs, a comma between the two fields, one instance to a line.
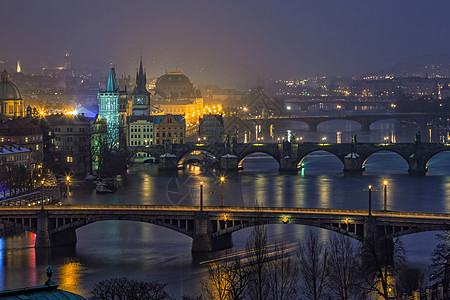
x=148, y=252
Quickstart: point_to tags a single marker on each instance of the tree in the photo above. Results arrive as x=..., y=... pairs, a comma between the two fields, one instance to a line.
x=343, y=259
x=440, y=257
x=313, y=259
x=382, y=261
x=409, y=279
x=256, y=246
x=282, y=275
x=127, y=289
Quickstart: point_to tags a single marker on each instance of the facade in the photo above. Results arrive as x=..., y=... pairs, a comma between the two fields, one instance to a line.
x=108, y=106
x=16, y=155
x=211, y=128
x=140, y=131
x=140, y=96
x=99, y=139
x=10, y=99
x=169, y=128
x=24, y=133
x=71, y=143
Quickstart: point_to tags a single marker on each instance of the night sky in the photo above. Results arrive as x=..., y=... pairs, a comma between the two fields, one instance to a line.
x=223, y=41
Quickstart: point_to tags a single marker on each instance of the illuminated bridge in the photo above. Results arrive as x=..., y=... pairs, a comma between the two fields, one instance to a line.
x=230, y=156
x=211, y=229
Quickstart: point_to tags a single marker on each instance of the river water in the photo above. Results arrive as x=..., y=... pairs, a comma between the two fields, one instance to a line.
x=147, y=252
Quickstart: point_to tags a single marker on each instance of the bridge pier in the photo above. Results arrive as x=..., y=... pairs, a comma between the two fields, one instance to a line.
x=203, y=240
x=288, y=164
x=168, y=161
x=377, y=250
x=67, y=237
x=353, y=164
x=416, y=166
x=229, y=162
x=42, y=235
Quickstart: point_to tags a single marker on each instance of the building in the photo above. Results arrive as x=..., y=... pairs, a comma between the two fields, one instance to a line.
x=139, y=131
x=98, y=142
x=22, y=132
x=174, y=85
x=169, y=128
x=140, y=96
x=10, y=99
x=211, y=128
x=71, y=142
x=108, y=106
x=15, y=154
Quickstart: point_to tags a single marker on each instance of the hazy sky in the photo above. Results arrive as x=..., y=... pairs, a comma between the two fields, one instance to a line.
x=229, y=39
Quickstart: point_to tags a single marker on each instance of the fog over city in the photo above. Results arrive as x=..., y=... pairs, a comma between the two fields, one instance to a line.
x=227, y=41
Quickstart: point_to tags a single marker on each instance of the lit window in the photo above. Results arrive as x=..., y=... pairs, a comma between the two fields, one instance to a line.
x=37, y=147
x=69, y=159
x=26, y=139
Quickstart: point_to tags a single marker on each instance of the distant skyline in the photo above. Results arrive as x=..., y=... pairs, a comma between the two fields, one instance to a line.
x=226, y=41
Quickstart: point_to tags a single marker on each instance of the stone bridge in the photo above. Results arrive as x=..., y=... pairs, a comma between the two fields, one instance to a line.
x=212, y=227
x=363, y=120
x=230, y=156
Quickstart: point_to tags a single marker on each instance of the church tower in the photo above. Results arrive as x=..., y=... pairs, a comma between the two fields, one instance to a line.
x=108, y=108
x=140, y=96
x=11, y=103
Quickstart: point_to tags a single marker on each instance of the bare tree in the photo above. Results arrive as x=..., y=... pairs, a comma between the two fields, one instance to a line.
x=313, y=259
x=343, y=262
x=382, y=260
x=126, y=289
x=257, y=248
x=409, y=279
x=282, y=275
x=440, y=257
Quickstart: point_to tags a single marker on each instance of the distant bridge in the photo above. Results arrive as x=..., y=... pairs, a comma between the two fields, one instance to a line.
x=364, y=120
x=230, y=156
x=211, y=228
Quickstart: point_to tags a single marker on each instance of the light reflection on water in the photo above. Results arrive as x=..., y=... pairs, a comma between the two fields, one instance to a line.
x=147, y=252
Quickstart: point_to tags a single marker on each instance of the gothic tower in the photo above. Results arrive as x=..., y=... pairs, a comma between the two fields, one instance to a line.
x=140, y=96
x=108, y=108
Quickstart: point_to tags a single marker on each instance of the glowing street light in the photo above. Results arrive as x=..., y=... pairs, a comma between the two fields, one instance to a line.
x=42, y=193
x=68, y=189
x=245, y=109
x=386, y=139
x=201, y=195
x=370, y=200
x=323, y=140
x=222, y=179
x=385, y=183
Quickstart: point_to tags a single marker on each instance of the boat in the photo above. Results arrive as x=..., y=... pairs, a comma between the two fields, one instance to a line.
x=103, y=188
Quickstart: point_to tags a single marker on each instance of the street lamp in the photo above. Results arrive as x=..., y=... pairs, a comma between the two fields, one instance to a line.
x=385, y=182
x=370, y=200
x=222, y=179
x=68, y=188
x=42, y=193
x=323, y=140
x=201, y=195
x=386, y=138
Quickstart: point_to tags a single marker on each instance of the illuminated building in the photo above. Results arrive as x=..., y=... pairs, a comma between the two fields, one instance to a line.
x=24, y=133
x=140, y=130
x=108, y=106
x=70, y=143
x=15, y=154
x=10, y=99
x=211, y=128
x=169, y=128
x=175, y=85
x=140, y=96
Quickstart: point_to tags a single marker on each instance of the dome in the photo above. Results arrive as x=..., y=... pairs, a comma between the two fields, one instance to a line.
x=8, y=90
x=174, y=84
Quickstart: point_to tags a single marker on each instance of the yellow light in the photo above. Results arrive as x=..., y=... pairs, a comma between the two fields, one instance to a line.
x=68, y=178
x=222, y=178
x=385, y=182
x=225, y=218
x=201, y=182
x=370, y=187
x=285, y=220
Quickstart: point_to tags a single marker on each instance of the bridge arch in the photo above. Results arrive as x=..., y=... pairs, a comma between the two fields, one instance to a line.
x=305, y=155
x=200, y=156
x=386, y=151
x=438, y=162
x=343, y=125
x=258, y=151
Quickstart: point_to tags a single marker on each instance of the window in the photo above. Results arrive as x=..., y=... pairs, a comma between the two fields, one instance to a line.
x=69, y=138
x=26, y=139
x=181, y=134
x=37, y=147
x=169, y=135
x=132, y=130
x=69, y=159
x=69, y=129
x=164, y=134
x=57, y=129
x=157, y=134
x=11, y=109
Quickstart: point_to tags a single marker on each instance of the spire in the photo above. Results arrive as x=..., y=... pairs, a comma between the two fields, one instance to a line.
x=5, y=76
x=140, y=76
x=112, y=85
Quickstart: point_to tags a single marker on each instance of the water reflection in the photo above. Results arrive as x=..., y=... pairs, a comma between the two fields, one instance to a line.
x=69, y=277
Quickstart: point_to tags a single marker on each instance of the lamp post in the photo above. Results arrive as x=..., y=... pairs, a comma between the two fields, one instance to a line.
x=201, y=195
x=385, y=182
x=323, y=140
x=370, y=200
x=222, y=179
x=68, y=189
x=42, y=194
